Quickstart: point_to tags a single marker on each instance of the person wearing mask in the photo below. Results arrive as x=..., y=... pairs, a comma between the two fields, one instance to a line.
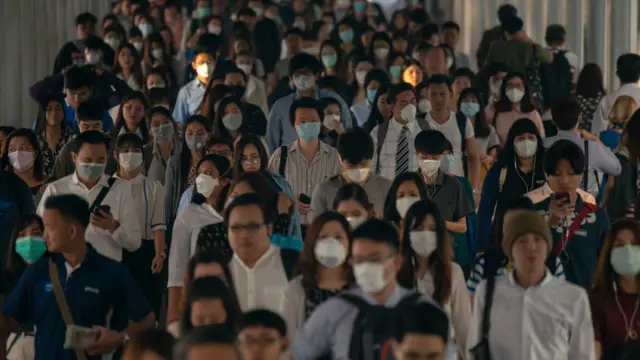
x=428, y=267
x=381, y=48
x=356, y=91
x=206, y=342
x=307, y=161
x=209, y=302
x=292, y=45
x=628, y=72
x=72, y=53
x=406, y=190
x=470, y=104
x=256, y=121
x=423, y=331
x=457, y=129
x=255, y=260
x=331, y=128
x=355, y=149
x=52, y=131
x=578, y=225
x=621, y=113
x=518, y=51
x=154, y=344
x=353, y=203
x=380, y=110
x=94, y=53
x=255, y=327
x=231, y=120
x=451, y=37
x=163, y=143
x=519, y=170
x=566, y=116
x=304, y=69
x=104, y=295
x=374, y=80
x=321, y=272
x=515, y=102
x=496, y=73
x=256, y=92
x=333, y=59
x=190, y=96
x=23, y=157
x=114, y=226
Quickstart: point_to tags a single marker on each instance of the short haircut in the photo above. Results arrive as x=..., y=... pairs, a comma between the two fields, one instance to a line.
x=89, y=137
x=555, y=34
x=157, y=96
x=512, y=25
x=93, y=42
x=564, y=150
x=430, y=142
x=71, y=207
x=423, y=318
x=463, y=72
x=251, y=199
x=304, y=103
x=396, y=90
x=246, y=12
x=236, y=70
x=418, y=16
x=130, y=140
x=90, y=110
x=263, y=318
x=355, y=145
x=628, y=68
x=506, y=11
x=157, y=341
x=565, y=112
x=497, y=67
x=293, y=31
x=86, y=17
x=203, y=335
x=379, y=231
x=77, y=77
x=7, y=129
x=304, y=61
x=430, y=30
x=451, y=25
x=440, y=79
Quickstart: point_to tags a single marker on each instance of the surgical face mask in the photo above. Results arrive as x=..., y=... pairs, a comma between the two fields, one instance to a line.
x=371, y=95
x=304, y=82
x=449, y=63
x=308, y=131
x=137, y=45
x=346, y=36
x=429, y=167
x=246, y=68
x=30, y=248
x=359, y=7
x=403, y=204
x=361, y=75
x=21, y=161
x=447, y=163
x=330, y=60
x=162, y=133
x=395, y=71
x=301, y=25
x=424, y=105
x=196, y=142
x=370, y=277
x=130, y=161
x=514, y=94
x=145, y=29
x=257, y=10
x=526, y=148
x=157, y=53
x=381, y=53
x=214, y=29
x=355, y=221
x=626, y=260
x=232, y=121
x=424, y=242
x=204, y=70
x=330, y=252
x=469, y=109
x=495, y=88
x=205, y=184
x=92, y=57
x=113, y=42
x=357, y=175
x=408, y=113
x=202, y=12
x=90, y=171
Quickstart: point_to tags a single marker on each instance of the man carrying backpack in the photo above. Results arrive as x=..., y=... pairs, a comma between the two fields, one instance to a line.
x=357, y=323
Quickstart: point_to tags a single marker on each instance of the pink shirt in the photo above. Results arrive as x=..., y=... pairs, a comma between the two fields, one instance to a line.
x=505, y=120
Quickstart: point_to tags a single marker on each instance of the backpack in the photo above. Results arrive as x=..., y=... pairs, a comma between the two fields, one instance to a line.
x=556, y=78
x=374, y=326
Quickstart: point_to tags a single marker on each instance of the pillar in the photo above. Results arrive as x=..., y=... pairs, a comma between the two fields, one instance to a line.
x=598, y=35
x=576, y=27
x=624, y=33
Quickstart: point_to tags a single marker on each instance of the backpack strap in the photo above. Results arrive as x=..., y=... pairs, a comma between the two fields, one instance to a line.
x=461, y=120
x=289, y=259
x=586, y=210
x=382, y=134
x=585, y=176
x=102, y=194
x=552, y=263
x=408, y=300
x=284, y=152
x=423, y=124
x=356, y=341
x=502, y=179
x=486, y=312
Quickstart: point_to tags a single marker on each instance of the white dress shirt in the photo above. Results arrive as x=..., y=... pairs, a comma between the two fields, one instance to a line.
x=451, y=131
x=550, y=321
x=119, y=198
x=388, y=152
x=262, y=285
x=148, y=199
x=184, y=238
x=292, y=306
x=601, y=116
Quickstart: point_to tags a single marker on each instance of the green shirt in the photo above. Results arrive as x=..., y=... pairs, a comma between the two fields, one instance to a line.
x=517, y=54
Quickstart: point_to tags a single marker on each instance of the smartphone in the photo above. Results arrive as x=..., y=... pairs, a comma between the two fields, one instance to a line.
x=104, y=208
x=305, y=199
x=562, y=197
x=80, y=338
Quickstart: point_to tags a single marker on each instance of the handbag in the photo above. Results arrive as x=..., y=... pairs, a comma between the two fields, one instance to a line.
x=481, y=351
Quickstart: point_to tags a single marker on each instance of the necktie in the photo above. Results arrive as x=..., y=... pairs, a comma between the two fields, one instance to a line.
x=402, y=152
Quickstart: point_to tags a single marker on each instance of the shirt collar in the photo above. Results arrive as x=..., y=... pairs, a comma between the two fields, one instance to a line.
x=568, y=134
x=547, y=279
x=103, y=180
x=295, y=146
x=397, y=295
x=316, y=94
x=439, y=178
x=61, y=261
x=137, y=179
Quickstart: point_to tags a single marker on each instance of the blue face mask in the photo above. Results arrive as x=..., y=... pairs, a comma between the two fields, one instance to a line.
x=31, y=248
x=395, y=71
x=145, y=28
x=470, y=109
x=308, y=131
x=359, y=7
x=371, y=95
x=329, y=60
x=203, y=12
x=447, y=163
x=346, y=36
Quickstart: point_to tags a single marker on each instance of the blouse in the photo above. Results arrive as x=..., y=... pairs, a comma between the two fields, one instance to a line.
x=588, y=106
x=49, y=155
x=505, y=120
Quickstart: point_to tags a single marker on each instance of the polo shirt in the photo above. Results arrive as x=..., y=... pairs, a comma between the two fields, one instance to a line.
x=448, y=194
x=99, y=291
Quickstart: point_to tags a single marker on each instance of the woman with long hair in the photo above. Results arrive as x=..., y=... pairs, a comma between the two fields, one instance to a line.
x=230, y=119
x=589, y=92
x=429, y=268
x=51, y=130
x=380, y=110
x=353, y=203
x=22, y=156
x=374, y=80
x=163, y=142
x=412, y=72
x=620, y=114
x=132, y=117
x=333, y=59
x=470, y=105
x=128, y=66
x=406, y=190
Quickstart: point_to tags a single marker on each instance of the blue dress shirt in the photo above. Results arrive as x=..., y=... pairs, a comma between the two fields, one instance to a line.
x=189, y=99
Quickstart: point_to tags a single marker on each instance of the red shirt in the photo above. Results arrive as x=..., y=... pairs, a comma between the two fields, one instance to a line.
x=608, y=323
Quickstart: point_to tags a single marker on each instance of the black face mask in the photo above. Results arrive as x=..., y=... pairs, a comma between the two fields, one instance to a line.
x=237, y=90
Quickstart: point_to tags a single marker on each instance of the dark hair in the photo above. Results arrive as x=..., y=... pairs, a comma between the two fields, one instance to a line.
x=158, y=97
x=86, y=17
x=219, y=129
x=14, y=265
x=185, y=157
x=239, y=150
x=628, y=68
x=390, y=212
x=565, y=112
x=631, y=138
x=38, y=163
x=555, y=34
x=355, y=192
x=377, y=37
x=41, y=120
x=496, y=67
x=137, y=62
x=506, y=11
x=355, y=145
x=222, y=165
x=93, y=42
x=70, y=207
x=251, y=199
x=480, y=126
x=89, y=137
x=77, y=77
x=304, y=61
x=293, y=31
x=512, y=25
x=590, y=81
x=564, y=150
x=7, y=130
x=212, y=334
x=375, y=117
x=212, y=95
x=508, y=156
x=463, y=72
x=207, y=288
x=128, y=139
x=90, y=110
x=504, y=104
x=307, y=265
x=440, y=79
x=143, y=127
x=157, y=341
x=303, y=103
x=422, y=318
x=451, y=25
x=379, y=75
x=263, y=318
x=397, y=89
x=379, y=231
x=430, y=142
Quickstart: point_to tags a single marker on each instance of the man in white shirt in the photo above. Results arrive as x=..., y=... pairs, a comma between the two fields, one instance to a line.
x=533, y=314
x=260, y=270
x=628, y=71
x=113, y=224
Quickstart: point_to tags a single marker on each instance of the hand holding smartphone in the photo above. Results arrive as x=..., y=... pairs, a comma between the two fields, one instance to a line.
x=80, y=338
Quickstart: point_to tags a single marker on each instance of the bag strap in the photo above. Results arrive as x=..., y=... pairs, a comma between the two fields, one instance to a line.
x=289, y=259
x=408, y=300
x=585, y=176
x=423, y=124
x=63, y=306
x=103, y=194
x=586, y=210
x=382, y=134
x=284, y=152
x=462, y=127
x=488, y=302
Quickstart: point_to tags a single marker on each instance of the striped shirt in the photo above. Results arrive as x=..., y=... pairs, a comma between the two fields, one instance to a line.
x=477, y=275
x=303, y=175
x=387, y=156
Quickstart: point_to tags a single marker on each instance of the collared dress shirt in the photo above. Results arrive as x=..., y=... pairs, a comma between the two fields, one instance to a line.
x=148, y=198
x=387, y=156
x=188, y=101
x=601, y=116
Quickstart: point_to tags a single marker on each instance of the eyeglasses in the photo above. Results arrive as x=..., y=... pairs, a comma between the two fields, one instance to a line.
x=261, y=341
x=250, y=227
x=376, y=259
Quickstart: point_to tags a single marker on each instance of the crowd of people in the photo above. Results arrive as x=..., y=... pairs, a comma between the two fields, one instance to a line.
x=325, y=179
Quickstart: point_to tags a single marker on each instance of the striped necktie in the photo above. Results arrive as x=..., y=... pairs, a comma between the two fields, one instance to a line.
x=402, y=152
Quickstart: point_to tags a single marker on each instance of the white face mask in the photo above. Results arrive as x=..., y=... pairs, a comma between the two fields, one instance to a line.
x=21, y=161
x=246, y=68
x=137, y=45
x=424, y=242
x=424, y=105
x=360, y=75
x=304, y=82
x=157, y=53
x=357, y=175
x=526, y=148
x=204, y=70
x=429, y=167
x=113, y=42
x=381, y=53
x=408, y=113
x=90, y=171
x=330, y=121
x=330, y=252
x=205, y=184
x=403, y=204
x=92, y=57
x=514, y=94
x=213, y=29
x=355, y=221
x=370, y=277
x=130, y=161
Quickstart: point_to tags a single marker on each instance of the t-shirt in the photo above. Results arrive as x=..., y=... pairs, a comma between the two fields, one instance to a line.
x=608, y=322
x=452, y=133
